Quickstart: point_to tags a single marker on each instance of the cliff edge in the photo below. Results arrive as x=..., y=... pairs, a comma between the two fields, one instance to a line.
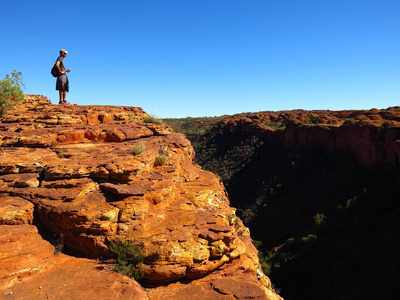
x=72, y=173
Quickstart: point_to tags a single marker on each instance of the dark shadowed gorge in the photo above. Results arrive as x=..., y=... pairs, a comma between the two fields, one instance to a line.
x=319, y=191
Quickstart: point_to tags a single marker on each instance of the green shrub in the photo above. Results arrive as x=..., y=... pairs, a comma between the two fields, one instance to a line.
x=290, y=240
x=131, y=116
x=319, y=219
x=130, y=257
x=257, y=244
x=139, y=148
x=309, y=239
x=161, y=160
x=313, y=119
x=152, y=119
x=10, y=92
x=274, y=125
x=61, y=154
x=248, y=214
x=266, y=267
x=59, y=244
x=351, y=202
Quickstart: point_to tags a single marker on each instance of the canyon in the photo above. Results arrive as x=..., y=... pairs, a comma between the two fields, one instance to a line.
x=319, y=191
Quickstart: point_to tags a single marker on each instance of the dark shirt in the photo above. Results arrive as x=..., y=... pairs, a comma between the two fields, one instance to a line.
x=61, y=59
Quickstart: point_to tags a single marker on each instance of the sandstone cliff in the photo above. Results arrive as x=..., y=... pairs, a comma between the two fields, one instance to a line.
x=70, y=172
x=372, y=136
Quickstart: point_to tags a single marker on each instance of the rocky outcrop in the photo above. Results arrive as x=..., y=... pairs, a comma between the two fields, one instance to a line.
x=74, y=170
x=30, y=270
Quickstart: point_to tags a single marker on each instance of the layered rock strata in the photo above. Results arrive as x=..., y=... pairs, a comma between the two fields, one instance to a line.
x=371, y=136
x=78, y=172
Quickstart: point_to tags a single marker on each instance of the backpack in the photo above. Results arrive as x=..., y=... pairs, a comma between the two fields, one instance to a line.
x=54, y=71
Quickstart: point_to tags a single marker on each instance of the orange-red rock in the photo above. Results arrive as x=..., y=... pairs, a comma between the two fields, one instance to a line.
x=76, y=165
x=15, y=211
x=30, y=270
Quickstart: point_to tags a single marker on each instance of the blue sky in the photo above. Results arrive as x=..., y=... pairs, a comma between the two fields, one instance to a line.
x=180, y=58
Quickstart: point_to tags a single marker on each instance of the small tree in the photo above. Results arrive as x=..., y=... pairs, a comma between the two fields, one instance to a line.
x=130, y=257
x=10, y=91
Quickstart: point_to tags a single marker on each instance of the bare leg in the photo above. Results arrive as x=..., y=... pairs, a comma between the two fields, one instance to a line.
x=61, y=97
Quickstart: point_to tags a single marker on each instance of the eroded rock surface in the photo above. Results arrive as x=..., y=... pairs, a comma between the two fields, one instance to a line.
x=73, y=170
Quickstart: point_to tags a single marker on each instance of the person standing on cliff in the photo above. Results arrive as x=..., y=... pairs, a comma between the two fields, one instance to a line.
x=62, y=83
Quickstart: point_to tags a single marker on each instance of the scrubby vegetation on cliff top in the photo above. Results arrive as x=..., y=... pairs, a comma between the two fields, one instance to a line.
x=320, y=214
x=11, y=91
